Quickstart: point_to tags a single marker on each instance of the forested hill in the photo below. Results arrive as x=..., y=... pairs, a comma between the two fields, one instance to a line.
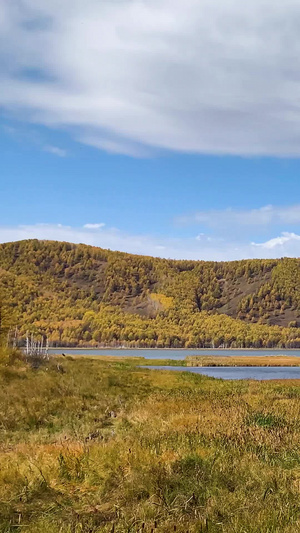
x=78, y=294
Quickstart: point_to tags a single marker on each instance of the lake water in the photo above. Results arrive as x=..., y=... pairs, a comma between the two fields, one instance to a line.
x=237, y=372
x=178, y=355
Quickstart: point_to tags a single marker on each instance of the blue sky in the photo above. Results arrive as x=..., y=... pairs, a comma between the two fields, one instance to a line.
x=149, y=128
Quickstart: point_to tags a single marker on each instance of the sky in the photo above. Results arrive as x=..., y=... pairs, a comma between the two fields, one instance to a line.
x=157, y=127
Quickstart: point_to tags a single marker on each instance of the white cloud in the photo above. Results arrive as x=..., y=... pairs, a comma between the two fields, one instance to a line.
x=288, y=244
x=283, y=240
x=205, y=238
x=249, y=218
x=94, y=226
x=216, y=76
x=55, y=150
x=115, y=146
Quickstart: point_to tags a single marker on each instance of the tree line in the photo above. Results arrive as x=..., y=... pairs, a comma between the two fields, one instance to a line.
x=78, y=294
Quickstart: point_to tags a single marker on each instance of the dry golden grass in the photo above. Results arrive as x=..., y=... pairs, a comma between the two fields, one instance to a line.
x=245, y=360
x=106, y=446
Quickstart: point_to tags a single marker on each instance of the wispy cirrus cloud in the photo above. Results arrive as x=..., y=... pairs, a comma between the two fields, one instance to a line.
x=268, y=215
x=55, y=150
x=32, y=137
x=215, y=76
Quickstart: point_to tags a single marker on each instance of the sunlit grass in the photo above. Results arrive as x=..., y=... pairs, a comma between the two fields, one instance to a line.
x=244, y=360
x=107, y=446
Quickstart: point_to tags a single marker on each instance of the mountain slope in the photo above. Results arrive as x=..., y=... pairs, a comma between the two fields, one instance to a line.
x=78, y=293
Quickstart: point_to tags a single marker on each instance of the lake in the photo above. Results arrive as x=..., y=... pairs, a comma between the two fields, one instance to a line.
x=237, y=372
x=178, y=355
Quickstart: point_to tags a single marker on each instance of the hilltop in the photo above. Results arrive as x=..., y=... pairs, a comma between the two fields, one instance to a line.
x=79, y=294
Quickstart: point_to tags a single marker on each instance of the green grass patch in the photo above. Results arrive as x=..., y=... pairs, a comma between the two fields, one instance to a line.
x=265, y=420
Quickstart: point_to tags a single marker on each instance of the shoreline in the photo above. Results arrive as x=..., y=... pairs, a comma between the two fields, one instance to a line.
x=189, y=362
x=177, y=349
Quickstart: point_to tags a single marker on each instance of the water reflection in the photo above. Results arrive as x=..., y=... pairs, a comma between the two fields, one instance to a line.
x=238, y=372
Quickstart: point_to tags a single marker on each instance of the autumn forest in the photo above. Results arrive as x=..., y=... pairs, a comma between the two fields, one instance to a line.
x=87, y=296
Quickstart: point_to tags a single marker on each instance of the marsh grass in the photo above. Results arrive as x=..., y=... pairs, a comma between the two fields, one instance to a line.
x=245, y=360
x=107, y=446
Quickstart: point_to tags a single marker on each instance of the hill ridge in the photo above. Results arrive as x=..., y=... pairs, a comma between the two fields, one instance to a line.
x=82, y=294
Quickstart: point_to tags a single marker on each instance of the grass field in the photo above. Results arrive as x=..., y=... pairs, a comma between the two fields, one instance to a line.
x=102, y=445
x=245, y=360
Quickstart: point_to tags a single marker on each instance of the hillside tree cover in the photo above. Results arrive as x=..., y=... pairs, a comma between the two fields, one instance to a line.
x=83, y=295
